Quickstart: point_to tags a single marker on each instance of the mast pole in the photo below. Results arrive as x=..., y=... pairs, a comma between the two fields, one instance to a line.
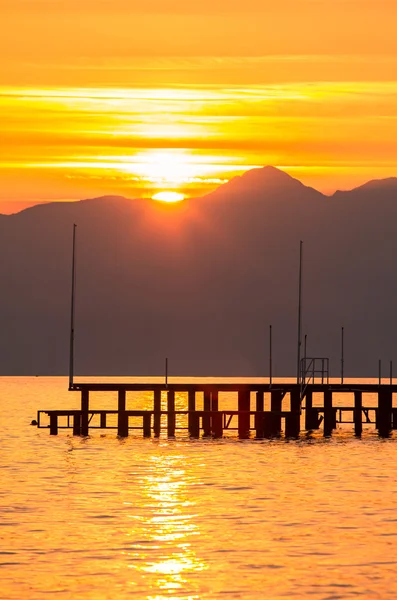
x=342, y=360
x=72, y=310
x=299, y=315
x=270, y=356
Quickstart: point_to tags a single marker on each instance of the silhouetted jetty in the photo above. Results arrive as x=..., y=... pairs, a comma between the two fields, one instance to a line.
x=263, y=410
x=267, y=409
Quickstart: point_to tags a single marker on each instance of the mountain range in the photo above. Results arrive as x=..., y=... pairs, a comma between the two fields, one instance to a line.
x=201, y=281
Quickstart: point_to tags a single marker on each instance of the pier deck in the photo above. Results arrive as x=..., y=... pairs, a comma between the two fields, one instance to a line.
x=250, y=414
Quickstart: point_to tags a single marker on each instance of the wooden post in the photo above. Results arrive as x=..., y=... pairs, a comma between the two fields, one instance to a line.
x=216, y=431
x=157, y=412
x=103, y=420
x=259, y=417
x=122, y=426
x=217, y=424
x=311, y=416
x=244, y=406
x=171, y=413
x=292, y=421
x=329, y=414
x=53, y=423
x=214, y=400
x=358, y=414
x=194, y=426
x=192, y=421
x=77, y=423
x=147, y=430
x=207, y=414
x=84, y=411
x=384, y=413
x=276, y=399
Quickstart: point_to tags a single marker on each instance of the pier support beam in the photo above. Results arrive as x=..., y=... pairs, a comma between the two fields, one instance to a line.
x=292, y=421
x=207, y=415
x=191, y=406
x=358, y=413
x=259, y=417
x=84, y=411
x=217, y=424
x=329, y=414
x=157, y=412
x=103, y=420
x=384, y=416
x=53, y=424
x=122, y=425
x=216, y=416
x=147, y=430
x=272, y=420
x=194, y=425
x=311, y=416
x=171, y=413
x=244, y=406
x=77, y=423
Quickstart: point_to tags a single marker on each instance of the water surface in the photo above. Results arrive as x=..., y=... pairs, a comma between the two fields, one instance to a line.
x=102, y=518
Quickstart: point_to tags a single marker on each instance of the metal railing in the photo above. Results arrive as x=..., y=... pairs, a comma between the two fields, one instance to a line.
x=313, y=370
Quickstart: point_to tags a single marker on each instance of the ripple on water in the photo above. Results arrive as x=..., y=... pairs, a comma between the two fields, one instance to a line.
x=98, y=518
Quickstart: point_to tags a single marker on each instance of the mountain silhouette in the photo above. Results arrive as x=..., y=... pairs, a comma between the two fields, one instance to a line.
x=200, y=281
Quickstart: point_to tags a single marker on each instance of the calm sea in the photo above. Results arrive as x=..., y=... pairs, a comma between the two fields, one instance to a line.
x=100, y=517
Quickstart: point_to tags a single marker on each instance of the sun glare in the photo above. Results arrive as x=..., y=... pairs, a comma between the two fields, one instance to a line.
x=168, y=196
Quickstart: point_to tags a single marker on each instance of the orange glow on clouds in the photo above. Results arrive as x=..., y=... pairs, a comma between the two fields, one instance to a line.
x=151, y=98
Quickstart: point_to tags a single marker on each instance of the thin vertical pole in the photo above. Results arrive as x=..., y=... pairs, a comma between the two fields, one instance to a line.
x=342, y=359
x=380, y=371
x=391, y=372
x=166, y=373
x=270, y=355
x=299, y=314
x=72, y=310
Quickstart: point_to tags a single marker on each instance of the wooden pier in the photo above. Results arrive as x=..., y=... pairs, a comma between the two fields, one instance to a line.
x=262, y=410
x=290, y=410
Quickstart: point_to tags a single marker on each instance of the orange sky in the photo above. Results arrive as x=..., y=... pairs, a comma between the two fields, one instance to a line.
x=102, y=96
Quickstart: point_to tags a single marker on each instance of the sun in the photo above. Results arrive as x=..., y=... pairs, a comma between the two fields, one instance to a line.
x=168, y=197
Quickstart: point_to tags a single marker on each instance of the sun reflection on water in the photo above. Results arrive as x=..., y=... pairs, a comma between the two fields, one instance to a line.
x=171, y=525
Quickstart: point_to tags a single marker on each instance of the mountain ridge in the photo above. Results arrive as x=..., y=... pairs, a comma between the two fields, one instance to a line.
x=200, y=282
x=267, y=178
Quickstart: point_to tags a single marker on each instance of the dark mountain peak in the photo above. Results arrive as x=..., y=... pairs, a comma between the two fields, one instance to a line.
x=383, y=186
x=106, y=198
x=264, y=180
x=379, y=184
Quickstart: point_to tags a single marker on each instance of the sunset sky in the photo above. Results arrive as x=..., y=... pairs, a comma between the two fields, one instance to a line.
x=133, y=98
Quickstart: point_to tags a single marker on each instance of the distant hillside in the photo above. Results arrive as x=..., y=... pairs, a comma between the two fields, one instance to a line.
x=200, y=281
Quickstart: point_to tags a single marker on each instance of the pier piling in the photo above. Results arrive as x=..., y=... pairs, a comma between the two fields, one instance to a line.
x=357, y=415
x=311, y=415
x=84, y=411
x=384, y=414
x=122, y=425
x=259, y=417
x=292, y=421
x=53, y=424
x=274, y=419
x=157, y=412
x=194, y=425
x=206, y=414
x=171, y=421
x=244, y=406
x=147, y=429
x=77, y=423
x=329, y=414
